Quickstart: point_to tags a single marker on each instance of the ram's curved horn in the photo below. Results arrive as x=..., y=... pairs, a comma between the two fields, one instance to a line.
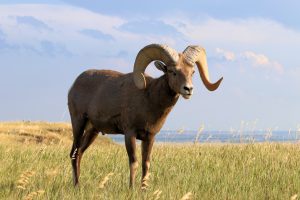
x=196, y=54
x=148, y=54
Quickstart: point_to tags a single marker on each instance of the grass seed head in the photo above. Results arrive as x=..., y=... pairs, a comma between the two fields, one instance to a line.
x=104, y=181
x=21, y=187
x=156, y=194
x=187, y=196
x=24, y=179
x=32, y=195
x=294, y=197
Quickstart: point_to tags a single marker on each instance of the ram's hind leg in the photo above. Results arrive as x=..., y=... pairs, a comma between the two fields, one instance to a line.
x=78, y=125
x=88, y=138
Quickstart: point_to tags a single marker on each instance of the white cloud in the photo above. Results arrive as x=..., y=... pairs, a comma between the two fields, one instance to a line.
x=66, y=24
x=63, y=16
x=65, y=27
x=260, y=60
x=256, y=60
x=277, y=44
x=251, y=31
x=227, y=55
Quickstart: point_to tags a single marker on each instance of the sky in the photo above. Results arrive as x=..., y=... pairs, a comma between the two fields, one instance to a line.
x=254, y=45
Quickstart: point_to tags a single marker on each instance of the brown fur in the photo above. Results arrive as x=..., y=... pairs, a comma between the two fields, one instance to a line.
x=109, y=102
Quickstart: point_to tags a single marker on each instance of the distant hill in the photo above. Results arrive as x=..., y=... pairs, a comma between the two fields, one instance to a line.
x=40, y=133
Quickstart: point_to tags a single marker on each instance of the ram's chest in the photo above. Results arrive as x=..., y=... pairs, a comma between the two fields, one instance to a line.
x=156, y=124
x=150, y=121
x=149, y=130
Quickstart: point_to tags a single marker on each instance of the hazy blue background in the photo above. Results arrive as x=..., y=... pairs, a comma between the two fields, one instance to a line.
x=254, y=44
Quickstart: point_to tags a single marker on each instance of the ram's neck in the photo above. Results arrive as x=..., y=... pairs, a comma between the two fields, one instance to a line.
x=161, y=94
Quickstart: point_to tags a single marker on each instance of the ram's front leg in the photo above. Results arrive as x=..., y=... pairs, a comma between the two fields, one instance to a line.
x=146, y=155
x=130, y=142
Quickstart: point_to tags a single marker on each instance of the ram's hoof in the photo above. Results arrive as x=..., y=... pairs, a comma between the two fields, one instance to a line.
x=145, y=186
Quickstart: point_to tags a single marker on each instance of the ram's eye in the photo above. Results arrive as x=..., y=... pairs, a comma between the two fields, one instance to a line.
x=193, y=72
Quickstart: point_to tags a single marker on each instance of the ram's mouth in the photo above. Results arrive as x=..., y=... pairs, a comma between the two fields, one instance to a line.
x=186, y=96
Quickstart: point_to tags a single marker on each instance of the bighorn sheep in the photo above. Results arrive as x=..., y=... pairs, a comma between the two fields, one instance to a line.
x=132, y=104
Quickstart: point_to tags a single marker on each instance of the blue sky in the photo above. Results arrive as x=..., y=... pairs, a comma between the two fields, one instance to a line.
x=44, y=45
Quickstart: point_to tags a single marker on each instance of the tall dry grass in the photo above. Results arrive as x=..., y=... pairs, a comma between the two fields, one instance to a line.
x=191, y=171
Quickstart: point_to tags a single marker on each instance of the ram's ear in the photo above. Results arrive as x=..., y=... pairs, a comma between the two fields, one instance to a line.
x=160, y=66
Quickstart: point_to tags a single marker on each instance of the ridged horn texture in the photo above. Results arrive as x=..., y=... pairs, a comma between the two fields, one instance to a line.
x=148, y=54
x=196, y=54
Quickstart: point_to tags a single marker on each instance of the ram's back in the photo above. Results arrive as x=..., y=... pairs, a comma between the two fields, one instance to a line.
x=109, y=100
x=94, y=88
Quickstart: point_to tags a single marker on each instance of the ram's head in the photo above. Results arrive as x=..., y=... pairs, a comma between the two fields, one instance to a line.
x=179, y=67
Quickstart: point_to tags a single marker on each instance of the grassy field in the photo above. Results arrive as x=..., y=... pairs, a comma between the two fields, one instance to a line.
x=35, y=164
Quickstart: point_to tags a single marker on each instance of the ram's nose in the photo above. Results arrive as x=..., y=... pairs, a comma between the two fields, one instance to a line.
x=188, y=89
